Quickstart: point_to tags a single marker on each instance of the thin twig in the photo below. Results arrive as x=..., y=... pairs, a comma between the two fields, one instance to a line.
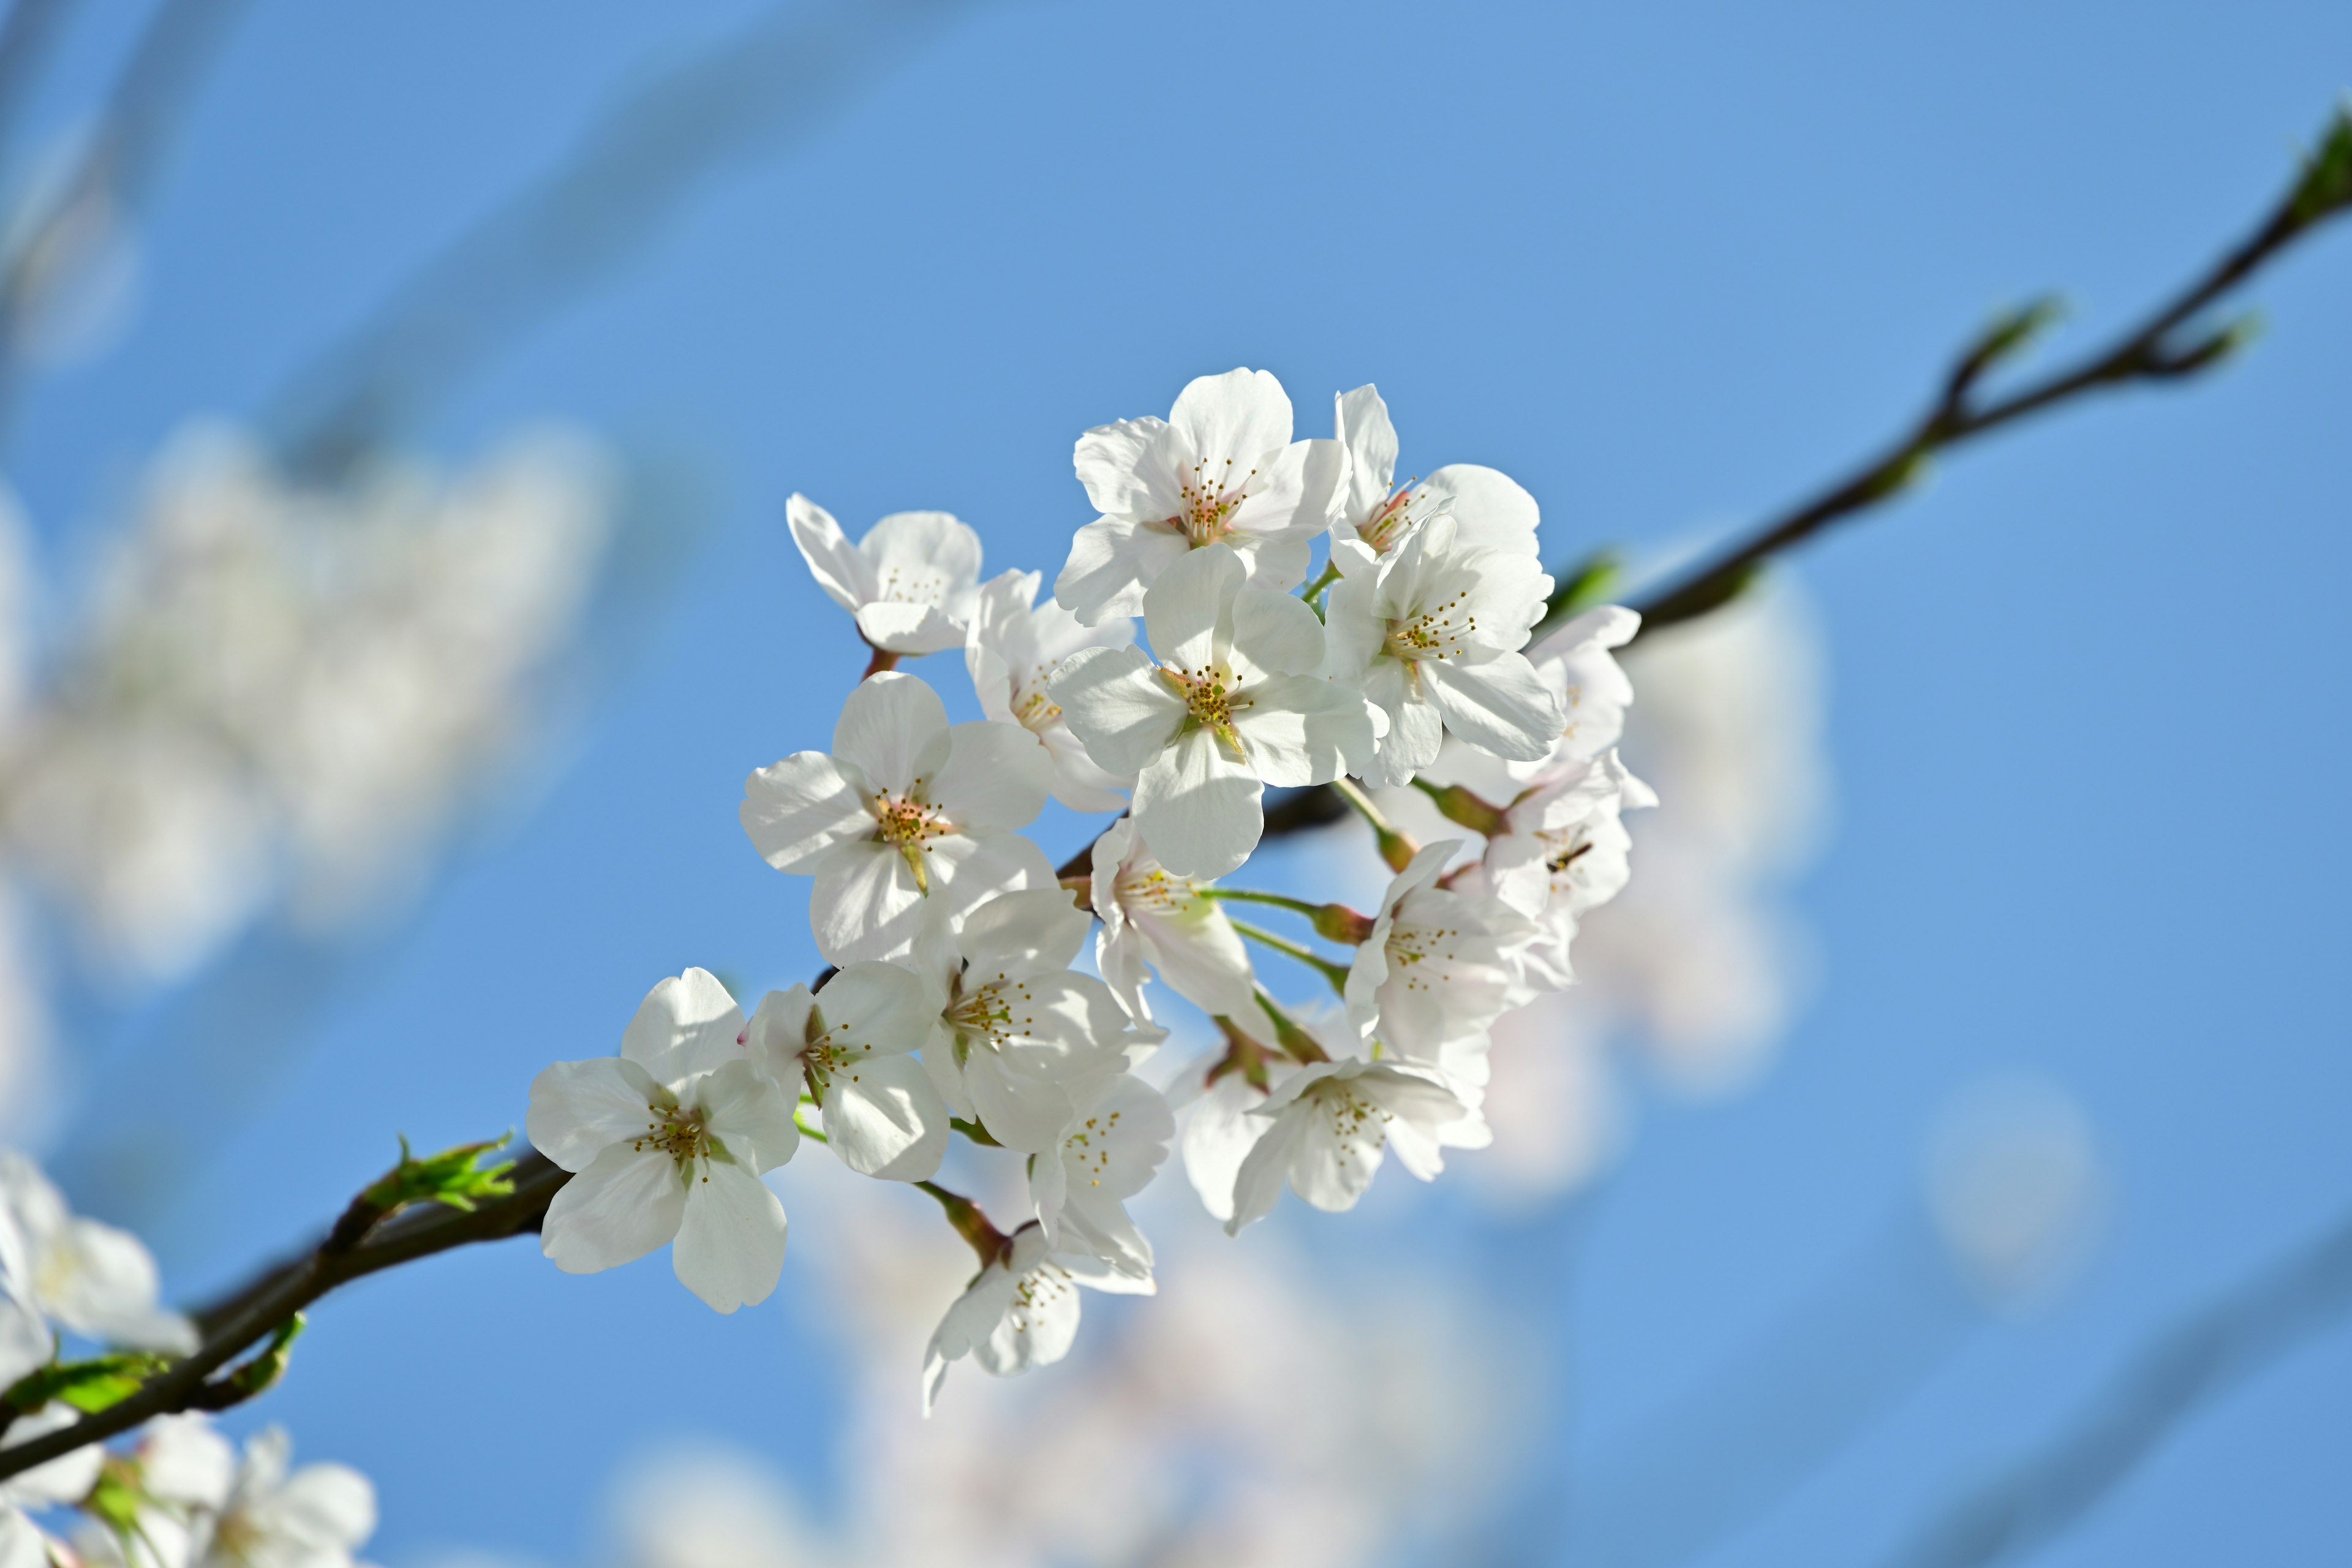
x=2152, y=353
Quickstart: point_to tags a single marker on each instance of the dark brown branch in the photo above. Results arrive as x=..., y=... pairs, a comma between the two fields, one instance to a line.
x=2155, y=352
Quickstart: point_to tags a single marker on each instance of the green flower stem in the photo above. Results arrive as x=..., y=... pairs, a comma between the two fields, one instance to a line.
x=1335, y=922
x=1459, y=805
x=970, y=1222
x=1336, y=973
x=1313, y=592
x=1397, y=848
x=1295, y=1042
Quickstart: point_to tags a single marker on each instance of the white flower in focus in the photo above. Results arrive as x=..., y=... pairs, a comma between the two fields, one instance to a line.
x=1237, y=705
x=1432, y=638
x=1221, y=1131
x=1011, y=651
x=1328, y=1126
x=1221, y=468
x=315, y=1517
x=1492, y=511
x=852, y=1043
x=64, y=1480
x=1021, y=1310
x=1151, y=915
x=1020, y=1038
x=1108, y=1153
x=668, y=1140
x=908, y=825
x=910, y=581
x=1562, y=850
x=96, y=1280
x=1438, y=968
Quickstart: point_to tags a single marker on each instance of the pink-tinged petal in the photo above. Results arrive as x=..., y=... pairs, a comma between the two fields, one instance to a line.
x=1117, y=706
x=995, y=776
x=910, y=628
x=835, y=564
x=1360, y=422
x=621, y=1207
x=1198, y=807
x=1499, y=704
x=578, y=1109
x=1275, y=633
x=893, y=730
x=1188, y=613
x=750, y=1113
x=1241, y=416
x=885, y=1118
x=730, y=1241
x=865, y=904
x=1111, y=562
x=800, y=808
x=687, y=1024
x=1016, y=935
x=1124, y=468
x=1489, y=508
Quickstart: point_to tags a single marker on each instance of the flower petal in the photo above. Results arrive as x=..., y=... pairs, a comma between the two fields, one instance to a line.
x=750, y=1113
x=686, y=1025
x=578, y=1109
x=621, y=1207
x=1116, y=705
x=731, y=1241
x=1188, y=613
x=1241, y=416
x=1499, y=705
x=995, y=776
x=1489, y=508
x=1124, y=468
x=1360, y=422
x=893, y=730
x=1301, y=729
x=1277, y=633
x=1198, y=807
x=837, y=567
x=879, y=1008
x=1112, y=561
x=865, y=904
x=800, y=808
x=1016, y=935
x=909, y=628
x=885, y=1118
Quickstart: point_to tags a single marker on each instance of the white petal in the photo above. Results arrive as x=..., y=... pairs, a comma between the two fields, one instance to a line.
x=1117, y=706
x=893, y=729
x=1416, y=730
x=978, y=869
x=1112, y=561
x=1019, y=934
x=1360, y=421
x=969, y=1321
x=22, y=1544
x=1275, y=632
x=837, y=567
x=1490, y=508
x=578, y=1109
x=686, y=1025
x=1258, y=1184
x=1019, y=1112
x=884, y=1118
x=67, y=1478
x=915, y=543
x=777, y=1035
x=1198, y=807
x=1125, y=470
x=1499, y=705
x=750, y=1113
x=995, y=775
x=1199, y=954
x=326, y=1505
x=1240, y=414
x=877, y=1007
x=910, y=628
x=730, y=1242
x=183, y=1460
x=1301, y=729
x=24, y=1339
x=1188, y=613
x=800, y=808
x=621, y=1207
x=865, y=904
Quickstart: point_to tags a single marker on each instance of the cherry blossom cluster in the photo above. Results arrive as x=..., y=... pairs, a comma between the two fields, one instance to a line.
x=953, y=1005
x=180, y=1497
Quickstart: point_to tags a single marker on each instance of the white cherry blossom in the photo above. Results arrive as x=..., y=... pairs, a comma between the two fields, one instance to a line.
x=908, y=825
x=1431, y=636
x=852, y=1043
x=277, y=1516
x=65, y=1480
x=1220, y=468
x=1492, y=511
x=1560, y=850
x=23, y=1543
x=1019, y=1037
x=91, y=1279
x=1020, y=1311
x=666, y=1140
x=1328, y=1126
x=1439, y=966
x=910, y=581
x=1236, y=705
x=1011, y=651
x=1108, y=1152
x=1219, y=1131
x=1151, y=915
x=185, y=1472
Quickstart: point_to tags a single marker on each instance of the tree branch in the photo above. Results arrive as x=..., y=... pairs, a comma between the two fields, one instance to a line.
x=2153, y=353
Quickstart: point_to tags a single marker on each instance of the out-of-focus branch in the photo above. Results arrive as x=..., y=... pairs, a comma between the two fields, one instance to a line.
x=116, y=165
x=2170, y=345
x=2183, y=1370
x=782, y=76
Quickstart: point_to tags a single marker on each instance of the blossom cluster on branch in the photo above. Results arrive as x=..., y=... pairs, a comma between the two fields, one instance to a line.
x=953, y=1005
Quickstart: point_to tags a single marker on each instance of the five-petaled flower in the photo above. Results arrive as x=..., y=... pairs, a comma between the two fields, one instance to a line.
x=1151, y=915
x=1236, y=705
x=1220, y=469
x=908, y=825
x=668, y=1140
x=1108, y=1152
x=1327, y=1126
x=852, y=1043
x=1438, y=969
x=910, y=581
x=1012, y=652
x=1020, y=1311
x=1491, y=509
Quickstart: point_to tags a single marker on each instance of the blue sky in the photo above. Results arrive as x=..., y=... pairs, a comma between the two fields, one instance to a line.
x=1668, y=266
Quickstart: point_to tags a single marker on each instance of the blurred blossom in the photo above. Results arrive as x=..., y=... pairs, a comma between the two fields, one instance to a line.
x=283, y=691
x=2016, y=1188
x=1698, y=964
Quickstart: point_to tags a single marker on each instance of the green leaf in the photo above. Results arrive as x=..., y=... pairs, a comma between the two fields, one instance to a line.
x=87, y=1386
x=2326, y=183
x=454, y=1176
